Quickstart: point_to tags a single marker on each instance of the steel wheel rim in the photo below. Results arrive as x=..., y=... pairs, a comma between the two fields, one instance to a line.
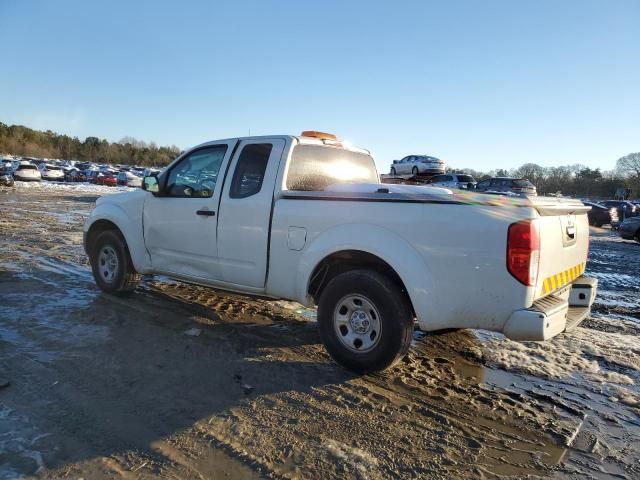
x=357, y=323
x=107, y=263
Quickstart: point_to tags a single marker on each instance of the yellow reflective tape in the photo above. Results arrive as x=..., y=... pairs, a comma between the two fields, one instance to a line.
x=559, y=280
x=553, y=283
x=564, y=277
x=546, y=285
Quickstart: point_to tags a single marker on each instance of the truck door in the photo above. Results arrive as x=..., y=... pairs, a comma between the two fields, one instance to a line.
x=180, y=223
x=245, y=212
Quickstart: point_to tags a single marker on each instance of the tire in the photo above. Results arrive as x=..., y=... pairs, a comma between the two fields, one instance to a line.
x=386, y=310
x=637, y=236
x=393, y=172
x=111, y=264
x=415, y=171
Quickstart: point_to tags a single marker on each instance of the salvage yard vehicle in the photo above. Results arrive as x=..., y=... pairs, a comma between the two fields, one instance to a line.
x=128, y=179
x=6, y=176
x=51, y=172
x=305, y=218
x=27, y=172
x=518, y=186
x=625, y=208
x=417, y=165
x=600, y=215
x=106, y=177
x=454, y=180
x=630, y=229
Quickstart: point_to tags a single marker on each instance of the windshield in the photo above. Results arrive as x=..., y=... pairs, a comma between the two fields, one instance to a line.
x=465, y=178
x=314, y=167
x=522, y=183
x=53, y=168
x=27, y=167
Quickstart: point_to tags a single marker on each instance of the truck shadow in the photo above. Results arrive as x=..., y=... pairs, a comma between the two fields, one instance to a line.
x=98, y=376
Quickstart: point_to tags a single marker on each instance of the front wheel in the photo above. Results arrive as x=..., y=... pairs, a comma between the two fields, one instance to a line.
x=111, y=264
x=415, y=171
x=393, y=172
x=365, y=321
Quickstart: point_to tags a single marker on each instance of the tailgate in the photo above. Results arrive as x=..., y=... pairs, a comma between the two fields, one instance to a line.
x=564, y=242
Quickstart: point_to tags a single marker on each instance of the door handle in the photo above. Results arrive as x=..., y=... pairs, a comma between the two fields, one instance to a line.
x=206, y=213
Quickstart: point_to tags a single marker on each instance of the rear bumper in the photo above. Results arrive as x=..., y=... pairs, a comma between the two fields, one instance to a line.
x=553, y=314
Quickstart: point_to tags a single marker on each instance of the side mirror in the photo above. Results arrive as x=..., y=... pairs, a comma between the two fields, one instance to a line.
x=150, y=184
x=395, y=161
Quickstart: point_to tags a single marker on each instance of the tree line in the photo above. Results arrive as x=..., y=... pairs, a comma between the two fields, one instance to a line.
x=574, y=180
x=26, y=142
x=570, y=180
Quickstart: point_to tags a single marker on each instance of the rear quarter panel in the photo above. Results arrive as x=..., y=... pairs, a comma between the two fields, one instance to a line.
x=451, y=258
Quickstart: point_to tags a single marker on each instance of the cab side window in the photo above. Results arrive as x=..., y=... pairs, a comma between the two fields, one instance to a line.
x=195, y=176
x=250, y=170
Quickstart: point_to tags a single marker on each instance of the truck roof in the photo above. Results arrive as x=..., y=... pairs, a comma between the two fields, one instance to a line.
x=295, y=138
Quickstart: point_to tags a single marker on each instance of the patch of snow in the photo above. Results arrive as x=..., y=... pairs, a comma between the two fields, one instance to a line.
x=593, y=355
x=72, y=187
x=353, y=456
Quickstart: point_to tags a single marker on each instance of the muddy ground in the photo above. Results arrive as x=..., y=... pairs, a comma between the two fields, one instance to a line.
x=184, y=382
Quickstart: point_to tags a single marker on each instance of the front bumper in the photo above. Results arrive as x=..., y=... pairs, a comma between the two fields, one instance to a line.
x=553, y=314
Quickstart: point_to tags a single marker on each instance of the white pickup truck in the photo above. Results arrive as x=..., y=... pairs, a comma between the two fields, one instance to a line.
x=305, y=218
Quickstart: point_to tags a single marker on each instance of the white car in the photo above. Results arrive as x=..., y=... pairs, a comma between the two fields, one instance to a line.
x=454, y=180
x=129, y=179
x=27, y=172
x=417, y=165
x=51, y=172
x=305, y=218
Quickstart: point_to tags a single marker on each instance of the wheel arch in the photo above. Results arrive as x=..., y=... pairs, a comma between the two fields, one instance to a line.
x=347, y=260
x=357, y=246
x=105, y=218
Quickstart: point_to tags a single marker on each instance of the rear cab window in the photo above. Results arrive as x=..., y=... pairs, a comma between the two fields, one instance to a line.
x=315, y=167
x=250, y=169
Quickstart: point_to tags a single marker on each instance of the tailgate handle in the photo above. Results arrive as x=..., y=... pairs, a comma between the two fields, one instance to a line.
x=206, y=213
x=571, y=231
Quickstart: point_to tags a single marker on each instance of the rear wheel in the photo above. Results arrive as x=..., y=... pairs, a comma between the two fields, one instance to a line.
x=415, y=171
x=111, y=264
x=365, y=321
x=393, y=172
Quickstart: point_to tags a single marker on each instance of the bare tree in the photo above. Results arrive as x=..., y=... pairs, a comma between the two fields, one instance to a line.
x=629, y=165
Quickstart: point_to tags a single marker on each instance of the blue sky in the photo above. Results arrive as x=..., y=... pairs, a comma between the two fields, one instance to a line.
x=480, y=84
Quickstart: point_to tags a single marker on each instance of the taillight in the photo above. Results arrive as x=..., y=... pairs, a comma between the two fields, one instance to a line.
x=523, y=251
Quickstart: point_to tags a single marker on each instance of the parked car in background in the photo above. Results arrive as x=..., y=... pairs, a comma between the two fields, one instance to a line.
x=128, y=179
x=602, y=215
x=91, y=175
x=625, y=208
x=6, y=176
x=416, y=165
x=630, y=229
x=27, y=172
x=107, y=178
x=74, y=175
x=150, y=171
x=51, y=172
x=504, y=185
x=454, y=180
